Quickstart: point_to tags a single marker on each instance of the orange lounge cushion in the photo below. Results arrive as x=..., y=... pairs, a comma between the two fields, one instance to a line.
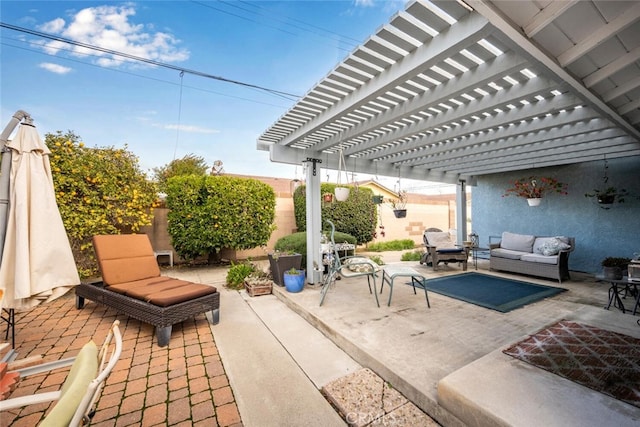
x=144, y=292
x=126, y=287
x=163, y=291
x=180, y=294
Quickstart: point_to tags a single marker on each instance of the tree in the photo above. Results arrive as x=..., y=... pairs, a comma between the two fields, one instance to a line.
x=99, y=191
x=209, y=213
x=356, y=216
x=188, y=165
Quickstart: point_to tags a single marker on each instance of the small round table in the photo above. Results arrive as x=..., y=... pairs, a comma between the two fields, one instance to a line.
x=474, y=254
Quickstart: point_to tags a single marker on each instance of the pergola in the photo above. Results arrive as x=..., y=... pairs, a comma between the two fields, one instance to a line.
x=448, y=91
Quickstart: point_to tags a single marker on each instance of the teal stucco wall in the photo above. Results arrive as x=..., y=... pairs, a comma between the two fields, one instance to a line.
x=599, y=233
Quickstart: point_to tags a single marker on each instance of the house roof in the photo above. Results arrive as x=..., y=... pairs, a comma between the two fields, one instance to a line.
x=448, y=91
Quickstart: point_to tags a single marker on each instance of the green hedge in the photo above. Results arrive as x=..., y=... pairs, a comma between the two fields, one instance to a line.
x=357, y=216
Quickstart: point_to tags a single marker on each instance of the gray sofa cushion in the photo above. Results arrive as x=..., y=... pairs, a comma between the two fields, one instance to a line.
x=517, y=242
x=507, y=253
x=540, y=258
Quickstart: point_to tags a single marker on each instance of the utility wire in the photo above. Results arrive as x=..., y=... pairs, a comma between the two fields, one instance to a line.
x=136, y=75
x=145, y=60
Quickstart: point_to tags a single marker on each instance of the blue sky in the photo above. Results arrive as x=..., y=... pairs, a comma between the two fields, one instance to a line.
x=157, y=113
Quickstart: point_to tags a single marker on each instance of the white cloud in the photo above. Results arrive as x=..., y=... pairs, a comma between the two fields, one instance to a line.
x=55, y=68
x=110, y=27
x=54, y=26
x=191, y=129
x=364, y=3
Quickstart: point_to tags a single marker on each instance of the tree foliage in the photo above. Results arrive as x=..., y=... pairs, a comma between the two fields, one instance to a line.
x=99, y=191
x=356, y=216
x=188, y=165
x=208, y=213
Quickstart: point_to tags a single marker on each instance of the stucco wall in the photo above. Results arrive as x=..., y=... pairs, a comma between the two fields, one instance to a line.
x=599, y=233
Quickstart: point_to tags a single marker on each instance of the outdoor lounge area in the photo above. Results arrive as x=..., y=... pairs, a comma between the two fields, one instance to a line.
x=446, y=360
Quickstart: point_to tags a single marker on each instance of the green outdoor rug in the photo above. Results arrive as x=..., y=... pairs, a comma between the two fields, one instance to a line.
x=492, y=292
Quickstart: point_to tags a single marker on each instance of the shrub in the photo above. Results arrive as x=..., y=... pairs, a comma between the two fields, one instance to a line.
x=411, y=256
x=209, y=213
x=98, y=191
x=393, y=245
x=238, y=272
x=356, y=216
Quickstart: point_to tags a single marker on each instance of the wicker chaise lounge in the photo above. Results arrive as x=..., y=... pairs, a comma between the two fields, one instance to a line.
x=131, y=283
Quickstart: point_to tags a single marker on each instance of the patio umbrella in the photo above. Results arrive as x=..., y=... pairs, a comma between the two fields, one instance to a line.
x=37, y=264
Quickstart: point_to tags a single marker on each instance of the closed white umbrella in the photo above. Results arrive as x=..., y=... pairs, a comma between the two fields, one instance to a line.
x=37, y=264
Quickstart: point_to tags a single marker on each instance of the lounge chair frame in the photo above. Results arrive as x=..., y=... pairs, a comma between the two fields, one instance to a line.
x=162, y=318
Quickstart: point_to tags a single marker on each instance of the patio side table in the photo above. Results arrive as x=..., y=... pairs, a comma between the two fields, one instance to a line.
x=390, y=272
x=474, y=254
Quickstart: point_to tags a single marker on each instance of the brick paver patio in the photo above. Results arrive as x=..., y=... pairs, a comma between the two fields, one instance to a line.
x=183, y=384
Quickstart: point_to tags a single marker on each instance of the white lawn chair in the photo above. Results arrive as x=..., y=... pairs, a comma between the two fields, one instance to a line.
x=77, y=397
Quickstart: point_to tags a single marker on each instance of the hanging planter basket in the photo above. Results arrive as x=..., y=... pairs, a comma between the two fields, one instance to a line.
x=327, y=197
x=342, y=193
x=400, y=213
x=534, y=201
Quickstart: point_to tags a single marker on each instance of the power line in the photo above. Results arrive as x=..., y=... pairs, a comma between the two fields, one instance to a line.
x=145, y=60
x=139, y=75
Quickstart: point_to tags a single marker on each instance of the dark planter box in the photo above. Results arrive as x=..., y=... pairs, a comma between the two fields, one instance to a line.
x=283, y=263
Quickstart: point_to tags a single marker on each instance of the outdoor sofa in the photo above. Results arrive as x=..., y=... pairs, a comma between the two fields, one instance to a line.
x=131, y=283
x=540, y=256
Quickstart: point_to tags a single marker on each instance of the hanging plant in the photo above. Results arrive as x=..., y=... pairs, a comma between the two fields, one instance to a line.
x=399, y=204
x=327, y=197
x=610, y=194
x=533, y=188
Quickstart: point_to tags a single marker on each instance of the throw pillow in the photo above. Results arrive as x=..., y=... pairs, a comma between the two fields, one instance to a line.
x=553, y=247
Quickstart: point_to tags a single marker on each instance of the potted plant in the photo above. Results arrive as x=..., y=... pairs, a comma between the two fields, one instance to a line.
x=281, y=261
x=533, y=188
x=399, y=204
x=613, y=267
x=608, y=196
x=258, y=283
x=327, y=197
x=294, y=280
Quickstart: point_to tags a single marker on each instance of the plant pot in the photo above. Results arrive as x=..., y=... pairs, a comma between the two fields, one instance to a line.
x=612, y=273
x=294, y=282
x=342, y=193
x=400, y=213
x=606, y=199
x=534, y=201
x=327, y=197
x=378, y=200
x=283, y=263
x=258, y=288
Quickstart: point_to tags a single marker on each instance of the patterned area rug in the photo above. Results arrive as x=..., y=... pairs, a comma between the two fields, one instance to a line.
x=602, y=360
